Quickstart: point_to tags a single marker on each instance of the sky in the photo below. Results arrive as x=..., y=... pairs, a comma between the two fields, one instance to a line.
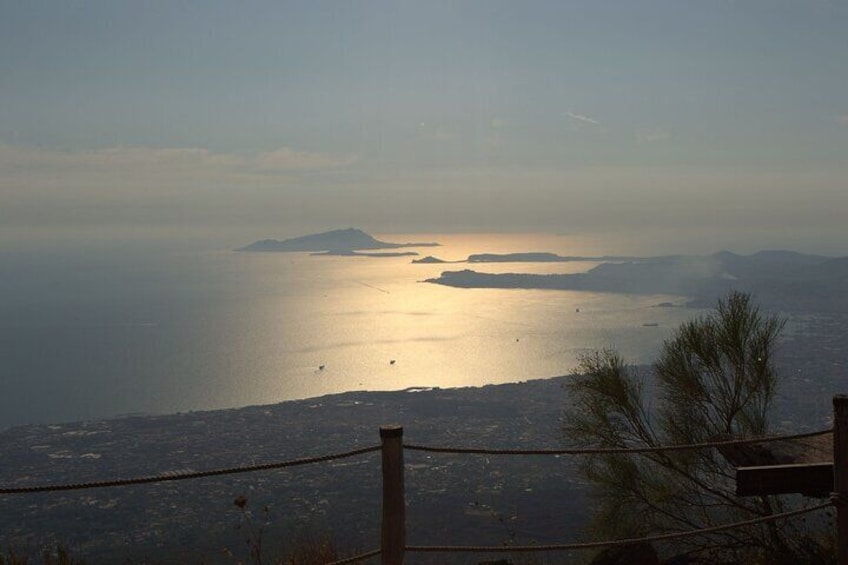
x=273, y=119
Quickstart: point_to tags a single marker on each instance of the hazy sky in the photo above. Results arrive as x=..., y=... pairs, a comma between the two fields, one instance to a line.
x=278, y=118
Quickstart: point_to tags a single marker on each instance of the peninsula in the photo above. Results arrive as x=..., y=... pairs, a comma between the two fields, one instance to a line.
x=529, y=257
x=783, y=279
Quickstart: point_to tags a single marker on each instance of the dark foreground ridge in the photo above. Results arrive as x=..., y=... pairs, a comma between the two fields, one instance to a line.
x=338, y=242
x=476, y=499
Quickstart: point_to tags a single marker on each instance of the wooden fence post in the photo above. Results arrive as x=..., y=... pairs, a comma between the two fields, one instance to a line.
x=394, y=501
x=840, y=474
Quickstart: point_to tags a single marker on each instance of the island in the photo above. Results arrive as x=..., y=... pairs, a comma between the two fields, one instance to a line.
x=336, y=242
x=431, y=260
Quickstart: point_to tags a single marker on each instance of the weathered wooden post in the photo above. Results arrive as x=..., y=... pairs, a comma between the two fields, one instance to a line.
x=840, y=474
x=394, y=502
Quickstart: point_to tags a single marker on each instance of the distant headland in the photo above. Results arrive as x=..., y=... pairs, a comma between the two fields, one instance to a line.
x=335, y=242
x=785, y=279
x=529, y=257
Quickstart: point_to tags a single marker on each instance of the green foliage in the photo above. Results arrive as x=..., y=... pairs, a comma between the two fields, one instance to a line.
x=310, y=550
x=714, y=379
x=306, y=549
x=718, y=372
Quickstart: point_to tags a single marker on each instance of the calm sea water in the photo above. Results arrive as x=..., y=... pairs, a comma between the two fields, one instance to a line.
x=93, y=335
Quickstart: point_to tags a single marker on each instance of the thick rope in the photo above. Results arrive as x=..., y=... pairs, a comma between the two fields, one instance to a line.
x=181, y=476
x=611, y=543
x=611, y=450
x=355, y=558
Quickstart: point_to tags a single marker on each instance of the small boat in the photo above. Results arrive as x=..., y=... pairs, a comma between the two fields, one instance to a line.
x=650, y=325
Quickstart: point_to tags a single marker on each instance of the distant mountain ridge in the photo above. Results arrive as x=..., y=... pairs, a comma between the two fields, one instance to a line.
x=341, y=242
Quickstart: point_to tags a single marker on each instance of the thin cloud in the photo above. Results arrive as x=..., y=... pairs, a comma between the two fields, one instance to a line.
x=182, y=163
x=148, y=186
x=583, y=118
x=842, y=119
x=654, y=135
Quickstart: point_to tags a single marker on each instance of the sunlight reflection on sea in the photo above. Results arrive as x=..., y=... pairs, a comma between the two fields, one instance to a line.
x=225, y=329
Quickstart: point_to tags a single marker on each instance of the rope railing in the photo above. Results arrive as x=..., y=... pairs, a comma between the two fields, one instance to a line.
x=612, y=543
x=613, y=450
x=588, y=545
x=356, y=558
x=181, y=476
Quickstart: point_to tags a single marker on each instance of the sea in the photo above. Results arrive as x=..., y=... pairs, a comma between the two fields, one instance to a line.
x=99, y=333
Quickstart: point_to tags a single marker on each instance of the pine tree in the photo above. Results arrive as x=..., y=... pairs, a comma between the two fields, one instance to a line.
x=714, y=379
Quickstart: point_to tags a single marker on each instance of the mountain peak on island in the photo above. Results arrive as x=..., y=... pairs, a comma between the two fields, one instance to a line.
x=334, y=241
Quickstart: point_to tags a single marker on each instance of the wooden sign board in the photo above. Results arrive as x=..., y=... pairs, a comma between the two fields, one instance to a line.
x=810, y=479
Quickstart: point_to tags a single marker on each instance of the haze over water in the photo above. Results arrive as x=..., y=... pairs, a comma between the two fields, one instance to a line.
x=91, y=335
x=137, y=139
